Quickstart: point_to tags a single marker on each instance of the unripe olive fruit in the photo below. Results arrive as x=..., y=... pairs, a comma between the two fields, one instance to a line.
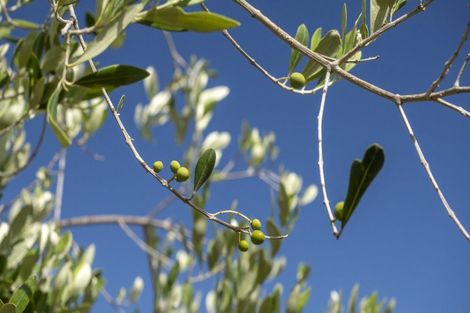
x=243, y=245
x=339, y=211
x=157, y=166
x=297, y=80
x=174, y=166
x=182, y=174
x=257, y=237
x=256, y=224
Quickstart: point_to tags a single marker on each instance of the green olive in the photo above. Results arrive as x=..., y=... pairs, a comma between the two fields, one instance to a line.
x=257, y=237
x=256, y=224
x=243, y=245
x=157, y=166
x=339, y=211
x=174, y=166
x=297, y=80
x=182, y=174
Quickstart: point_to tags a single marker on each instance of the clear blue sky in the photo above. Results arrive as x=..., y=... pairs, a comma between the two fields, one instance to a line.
x=400, y=240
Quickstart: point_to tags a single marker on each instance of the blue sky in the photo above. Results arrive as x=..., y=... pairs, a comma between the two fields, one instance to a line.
x=399, y=241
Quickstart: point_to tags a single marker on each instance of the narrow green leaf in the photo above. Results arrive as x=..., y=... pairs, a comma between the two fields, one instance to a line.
x=303, y=298
x=52, y=104
x=328, y=46
x=109, y=33
x=283, y=202
x=112, y=76
x=25, y=24
x=362, y=174
x=176, y=19
x=397, y=6
x=23, y=295
x=353, y=299
x=204, y=167
x=344, y=20
x=379, y=13
x=295, y=56
x=64, y=244
x=8, y=308
x=173, y=275
x=121, y=103
x=316, y=38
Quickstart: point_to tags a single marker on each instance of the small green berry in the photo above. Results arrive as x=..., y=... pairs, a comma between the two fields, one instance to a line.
x=256, y=224
x=174, y=166
x=339, y=211
x=297, y=80
x=182, y=174
x=157, y=166
x=257, y=237
x=243, y=245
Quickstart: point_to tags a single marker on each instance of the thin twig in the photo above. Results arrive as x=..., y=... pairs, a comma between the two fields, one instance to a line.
x=453, y=107
x=143, y=246
x=253, y=62
x=451, y=60
x=207, y=275
x=161, y=206
x=321, y=168
x=427, y=169
x=60, y=185
x=178, y=60
x=366, y=41
x=32, y=155
x=462, y=70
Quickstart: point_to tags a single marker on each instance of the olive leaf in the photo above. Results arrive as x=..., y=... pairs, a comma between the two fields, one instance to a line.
x=23, y=295
x=362, y=174
x=328, y=46
x=295, y=55
x=112, y=76
x=8, y=308
x=379, y=13
x=52, y=104
x=176, y=19
x=204, y=167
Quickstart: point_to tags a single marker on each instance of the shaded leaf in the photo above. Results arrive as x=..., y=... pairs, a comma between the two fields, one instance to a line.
x=328, y=46
x=176, y=19
x=8, y=308
x=344, y=19
x=23, y=295
x=273, y=231
x=204, y=167
x=295, y=55
x=52, y=104
x=362, y=174
x=283, y=202
x=112, y=76
x=109, y=33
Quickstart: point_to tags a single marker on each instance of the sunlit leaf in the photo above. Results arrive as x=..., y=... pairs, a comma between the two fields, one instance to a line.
x=52, y=104
x=23, y=295
x=176, y=19
x=295, y=55
x=112, y=76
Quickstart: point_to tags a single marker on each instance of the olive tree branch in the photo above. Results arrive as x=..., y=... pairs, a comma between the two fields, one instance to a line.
x=166, y=261
x=178, y=60
x=454, y=107
x=321, y=169
x=428, y=171
x=451, y=60
x=129, y=141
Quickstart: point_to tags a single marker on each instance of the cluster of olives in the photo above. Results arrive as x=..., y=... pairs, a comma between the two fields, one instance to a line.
x=257, y=236
x=180, y=173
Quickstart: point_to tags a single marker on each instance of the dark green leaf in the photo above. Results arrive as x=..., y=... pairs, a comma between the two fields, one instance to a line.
x=215, y=250
x=112, y=76
x=397, y=6
x=173, y=275
x=8, y=308
x=344, y=20
x=379, y=13
x=52, y=104
x=204, y=167
x=362, y=174
x=295, y=55
x=176, y=19
x=23, y=295
x=109, y=33
x=328, y=46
